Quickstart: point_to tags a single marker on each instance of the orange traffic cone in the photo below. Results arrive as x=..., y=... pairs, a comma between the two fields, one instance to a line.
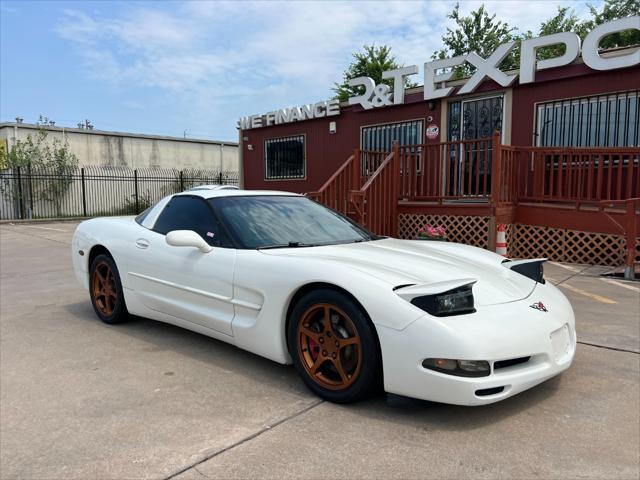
x=501, y=240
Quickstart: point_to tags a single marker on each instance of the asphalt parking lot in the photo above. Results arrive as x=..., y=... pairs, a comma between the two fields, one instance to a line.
x=81, y=399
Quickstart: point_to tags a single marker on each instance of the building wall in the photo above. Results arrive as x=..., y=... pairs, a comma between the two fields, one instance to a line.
x=135, y=151
x=326, y=152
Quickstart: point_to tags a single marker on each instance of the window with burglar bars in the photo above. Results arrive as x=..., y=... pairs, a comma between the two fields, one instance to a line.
x=598, y=121
x=284, y=158
x=380, y=138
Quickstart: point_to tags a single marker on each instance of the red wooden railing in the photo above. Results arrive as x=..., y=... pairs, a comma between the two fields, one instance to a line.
x=577, y=175
x=333, y=193
x=369, y=185
x=371, y=204
x=370, y=161
x=630, y=229
x=483, y=169
x=446, y=171
x=505, y=170
x=351, y=176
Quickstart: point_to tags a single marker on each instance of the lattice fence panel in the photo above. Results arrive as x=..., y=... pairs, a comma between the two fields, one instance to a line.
x=530, y=242
x=594, y=248
x=571, y=246
x=526, y=241
x=471, y=230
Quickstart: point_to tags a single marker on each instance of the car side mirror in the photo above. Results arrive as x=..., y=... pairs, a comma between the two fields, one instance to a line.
x=187, y=238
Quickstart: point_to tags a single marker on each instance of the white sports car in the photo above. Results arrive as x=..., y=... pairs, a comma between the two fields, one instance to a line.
x=284, y=277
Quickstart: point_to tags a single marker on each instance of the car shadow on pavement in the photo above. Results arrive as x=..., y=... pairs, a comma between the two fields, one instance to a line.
x=159, y=336
x=432, y=416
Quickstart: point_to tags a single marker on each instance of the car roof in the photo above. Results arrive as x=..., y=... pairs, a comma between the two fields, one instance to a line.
x=214, y=191
x=206, y=192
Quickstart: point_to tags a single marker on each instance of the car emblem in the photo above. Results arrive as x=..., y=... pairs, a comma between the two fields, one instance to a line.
x=539, y=306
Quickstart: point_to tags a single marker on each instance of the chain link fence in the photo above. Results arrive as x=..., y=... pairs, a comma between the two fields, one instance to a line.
x=27, y=193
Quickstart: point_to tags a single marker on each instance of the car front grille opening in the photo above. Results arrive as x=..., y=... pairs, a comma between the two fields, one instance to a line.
x=485, y=392
x=510, y=362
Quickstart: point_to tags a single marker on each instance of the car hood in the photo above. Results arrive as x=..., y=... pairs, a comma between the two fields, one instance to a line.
x=416, y=262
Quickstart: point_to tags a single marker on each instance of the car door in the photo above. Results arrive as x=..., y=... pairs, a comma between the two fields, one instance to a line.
x=184, y=282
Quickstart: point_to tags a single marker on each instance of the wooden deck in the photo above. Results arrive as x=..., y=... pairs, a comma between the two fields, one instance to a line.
x=593, y=190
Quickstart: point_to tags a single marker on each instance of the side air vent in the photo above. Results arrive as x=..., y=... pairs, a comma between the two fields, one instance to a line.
x=510, y=362
x=485, y=392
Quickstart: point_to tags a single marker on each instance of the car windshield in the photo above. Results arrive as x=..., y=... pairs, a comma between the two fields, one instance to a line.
x=285, y=221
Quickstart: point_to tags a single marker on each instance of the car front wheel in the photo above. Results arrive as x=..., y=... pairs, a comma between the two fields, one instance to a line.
x=334, y=346
x=105, y=289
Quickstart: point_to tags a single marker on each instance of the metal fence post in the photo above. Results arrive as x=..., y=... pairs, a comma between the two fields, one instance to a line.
x=181, y=182
x=220, y=178
x=84, y=193
x=20, y=199
x=30, y=191
x=135, y=183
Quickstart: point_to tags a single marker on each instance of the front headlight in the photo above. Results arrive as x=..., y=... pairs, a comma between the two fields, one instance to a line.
x=460, y=368
x=453, y=302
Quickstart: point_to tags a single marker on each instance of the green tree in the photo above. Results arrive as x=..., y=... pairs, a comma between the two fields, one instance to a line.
x=40, y=155
x=478, y=32
x=370, y=62
x=40, y=152
x=565, y=20
x=612, y=10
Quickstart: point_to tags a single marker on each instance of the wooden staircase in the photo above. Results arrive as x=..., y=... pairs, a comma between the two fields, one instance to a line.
x=365, y=188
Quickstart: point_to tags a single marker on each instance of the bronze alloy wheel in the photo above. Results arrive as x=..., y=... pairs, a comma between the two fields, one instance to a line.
x=104, y=289
x=329, y=346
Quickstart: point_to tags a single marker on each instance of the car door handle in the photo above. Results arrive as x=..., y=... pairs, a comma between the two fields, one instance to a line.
x=142, y=243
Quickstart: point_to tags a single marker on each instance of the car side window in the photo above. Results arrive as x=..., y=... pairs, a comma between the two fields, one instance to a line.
x=140, y=218
x=190, y=213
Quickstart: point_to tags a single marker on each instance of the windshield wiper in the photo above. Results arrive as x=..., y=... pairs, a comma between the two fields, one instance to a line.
x=369, y=239
x=287, y=245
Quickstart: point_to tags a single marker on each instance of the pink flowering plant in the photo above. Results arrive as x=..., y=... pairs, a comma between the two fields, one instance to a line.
x=432, y=233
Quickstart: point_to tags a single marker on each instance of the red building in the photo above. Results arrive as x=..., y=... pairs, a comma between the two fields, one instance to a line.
x=561, y=172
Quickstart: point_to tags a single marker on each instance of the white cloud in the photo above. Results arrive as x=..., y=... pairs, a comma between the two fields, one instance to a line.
x=248, y=57
x=203, y=41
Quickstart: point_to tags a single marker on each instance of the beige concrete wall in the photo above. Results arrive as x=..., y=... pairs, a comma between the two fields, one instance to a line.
x=136, y=151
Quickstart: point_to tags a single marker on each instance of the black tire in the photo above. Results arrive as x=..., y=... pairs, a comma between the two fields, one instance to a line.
x=354, y=371
x=108, y=302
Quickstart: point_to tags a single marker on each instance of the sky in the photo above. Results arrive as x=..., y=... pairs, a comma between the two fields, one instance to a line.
x=194, y=68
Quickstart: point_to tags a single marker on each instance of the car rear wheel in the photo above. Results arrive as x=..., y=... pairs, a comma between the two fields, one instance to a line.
x=334, y=347
x=105, y=289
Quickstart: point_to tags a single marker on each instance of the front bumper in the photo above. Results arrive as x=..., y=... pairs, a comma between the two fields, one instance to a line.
x=494, y=333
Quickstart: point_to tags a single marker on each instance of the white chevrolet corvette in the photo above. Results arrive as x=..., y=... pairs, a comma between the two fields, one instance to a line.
x=284, y=277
